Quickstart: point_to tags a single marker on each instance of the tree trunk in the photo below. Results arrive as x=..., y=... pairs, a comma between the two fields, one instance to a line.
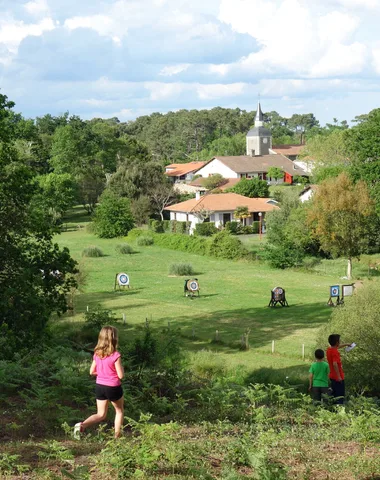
x=349, y=269
x=162, y=216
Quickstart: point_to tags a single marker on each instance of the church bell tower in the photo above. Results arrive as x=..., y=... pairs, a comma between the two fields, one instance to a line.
x=259, y=138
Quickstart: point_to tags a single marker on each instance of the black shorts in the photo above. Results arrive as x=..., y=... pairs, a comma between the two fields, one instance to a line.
x=104, y=392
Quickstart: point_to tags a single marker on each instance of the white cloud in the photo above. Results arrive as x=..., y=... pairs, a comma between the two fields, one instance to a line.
x=37, y=7
x=341, y=60
x=360, y=3
x=215, y=91
x=171, y=70
x=161, y=91
x=376, y=59
x=12, y=32
x=294, y=38
x=100, y=23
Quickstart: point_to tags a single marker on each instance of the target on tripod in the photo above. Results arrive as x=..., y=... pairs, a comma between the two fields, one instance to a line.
x=123, y=279
x=192, y=285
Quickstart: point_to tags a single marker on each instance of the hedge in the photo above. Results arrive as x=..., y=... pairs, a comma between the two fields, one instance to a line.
x=206, y=229
x=221, y=245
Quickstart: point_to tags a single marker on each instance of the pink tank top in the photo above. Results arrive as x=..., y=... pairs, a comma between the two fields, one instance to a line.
x=106, y=370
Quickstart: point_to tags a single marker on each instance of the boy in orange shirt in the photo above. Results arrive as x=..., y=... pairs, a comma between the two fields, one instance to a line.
x=336, y=371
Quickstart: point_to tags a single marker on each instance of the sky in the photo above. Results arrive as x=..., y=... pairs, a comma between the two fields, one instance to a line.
x=127, y=58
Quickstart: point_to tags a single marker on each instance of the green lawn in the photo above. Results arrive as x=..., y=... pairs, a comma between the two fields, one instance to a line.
x=234, y=298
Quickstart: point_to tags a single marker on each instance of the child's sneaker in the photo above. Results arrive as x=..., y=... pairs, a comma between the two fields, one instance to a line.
x=78, y=430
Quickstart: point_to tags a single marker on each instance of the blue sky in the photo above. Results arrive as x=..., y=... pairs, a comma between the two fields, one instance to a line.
x=126, y=58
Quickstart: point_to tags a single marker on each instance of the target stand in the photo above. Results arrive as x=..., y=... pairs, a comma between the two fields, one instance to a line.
x=334, y=293
x=191, y=288
x=278, y=296
x=121, y=281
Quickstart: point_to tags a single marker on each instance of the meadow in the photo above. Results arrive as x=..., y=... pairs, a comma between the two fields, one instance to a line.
x=204, y=409
x=234, y=299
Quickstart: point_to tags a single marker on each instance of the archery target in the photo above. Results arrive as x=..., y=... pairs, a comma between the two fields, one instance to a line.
x=334, y=291
x=192, y=285
x=123, y=279
x=278, y=294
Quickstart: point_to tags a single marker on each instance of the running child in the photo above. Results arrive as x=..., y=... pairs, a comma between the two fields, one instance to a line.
x=107, y=368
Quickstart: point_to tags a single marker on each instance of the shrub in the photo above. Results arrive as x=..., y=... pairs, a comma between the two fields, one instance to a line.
x=144, y=241
x=113, y=217
x=206, y=229
x=246, y=229
x=136, y=233
x=90, y=227
x=255, y=227
x=156, y=226
x=166, y=225
x=310, y=262
x=181, y=269
x=93, y=252
x=124, y=249
x=184, y=243
x=177, y=226
x=232, y=227
x=223, y=245
x=358, y=320
x=98, y=317
x=283, y=256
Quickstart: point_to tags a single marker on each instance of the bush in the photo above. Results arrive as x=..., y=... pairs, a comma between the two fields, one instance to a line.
x=184, y=243
x=206, y=229
x=177, y=226
x=223, y=245
x=124, y=249
x=180, y=269
x=310, y=262
x=90, y=227
x=144, y=241
x=93, y=252
x=136, y=233
x=113, y=217
x=232, y=227
x=166, y=225
x=156, y=226
x=358, y=320
x=283, y=256
x=255, y=227
x=97, y=317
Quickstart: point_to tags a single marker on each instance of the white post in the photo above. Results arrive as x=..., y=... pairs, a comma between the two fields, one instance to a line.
x=124, y=317
x=303, y=351
x=193, y=332
x=272, y=346
x=87, y=308
x=216, y=335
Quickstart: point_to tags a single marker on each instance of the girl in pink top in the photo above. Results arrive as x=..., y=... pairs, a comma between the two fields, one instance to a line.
x=107, y=368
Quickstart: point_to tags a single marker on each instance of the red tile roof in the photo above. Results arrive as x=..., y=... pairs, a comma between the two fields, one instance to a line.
x=223, y=202
x=179, y=169
x=288, y=149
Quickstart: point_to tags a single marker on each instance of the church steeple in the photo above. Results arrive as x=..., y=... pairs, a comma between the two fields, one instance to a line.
x=259, y=138
x=259, y=118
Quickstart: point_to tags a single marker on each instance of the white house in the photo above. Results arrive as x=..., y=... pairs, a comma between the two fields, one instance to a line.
x=245, y=166
x=221, y=208
x=180, y=172
x=307, y=193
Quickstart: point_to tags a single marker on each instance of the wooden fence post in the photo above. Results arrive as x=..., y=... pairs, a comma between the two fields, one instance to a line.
x=272, y=346
x=303, y=351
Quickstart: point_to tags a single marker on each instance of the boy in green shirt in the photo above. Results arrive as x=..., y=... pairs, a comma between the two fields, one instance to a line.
x=319, y=376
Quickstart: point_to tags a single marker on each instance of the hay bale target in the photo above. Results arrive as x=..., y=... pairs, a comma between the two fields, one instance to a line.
x=191, y=287
x=278, y=296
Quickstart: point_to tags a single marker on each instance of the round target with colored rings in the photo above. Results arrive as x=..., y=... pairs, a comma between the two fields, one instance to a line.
x=192, y=285
x=123, y=279
x=334, y=291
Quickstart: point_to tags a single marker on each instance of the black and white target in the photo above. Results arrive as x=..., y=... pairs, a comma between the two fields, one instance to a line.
x=192, y=286
x=122, y=280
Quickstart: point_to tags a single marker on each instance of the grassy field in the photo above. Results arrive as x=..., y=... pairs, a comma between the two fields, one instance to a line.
x=234, y=298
